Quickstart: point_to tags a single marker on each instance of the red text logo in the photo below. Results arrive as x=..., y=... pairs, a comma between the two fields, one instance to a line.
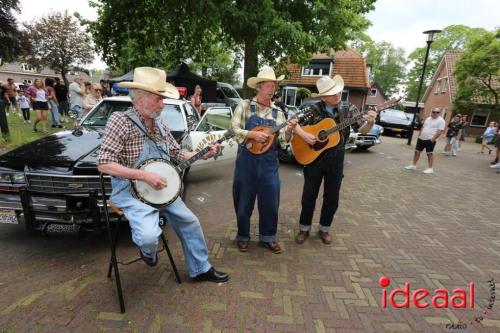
x=440, y=298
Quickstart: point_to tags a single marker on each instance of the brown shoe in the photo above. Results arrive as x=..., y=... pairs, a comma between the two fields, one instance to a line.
x=274, y=247
x=301, y=237
x=242, y=245
x=325, y=237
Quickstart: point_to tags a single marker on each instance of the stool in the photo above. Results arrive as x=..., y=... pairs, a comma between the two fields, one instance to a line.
x=113, y=262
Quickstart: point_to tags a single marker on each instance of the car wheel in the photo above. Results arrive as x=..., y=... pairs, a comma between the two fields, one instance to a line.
x=285, y=156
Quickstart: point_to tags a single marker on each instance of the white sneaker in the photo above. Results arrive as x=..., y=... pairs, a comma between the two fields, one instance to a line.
x=495, y=166
x=428, y=171
x=411, y=167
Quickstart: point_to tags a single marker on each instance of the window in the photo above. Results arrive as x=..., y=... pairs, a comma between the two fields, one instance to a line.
x=444, y=111
x=100, y=113
x=345, y=95
x=217, y=119
x=438, y=84
x=28, y=81
x=479, y=118
x=373, y=92
x=317, y=68
x=27, y=68
x=290, y=95
x=445, y=85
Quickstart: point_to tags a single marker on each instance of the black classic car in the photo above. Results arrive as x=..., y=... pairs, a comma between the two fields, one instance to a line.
x=55, y=180
x=395, y=122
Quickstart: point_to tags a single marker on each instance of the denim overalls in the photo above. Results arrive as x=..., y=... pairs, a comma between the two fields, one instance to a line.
x=144, y=219
x=257, y=176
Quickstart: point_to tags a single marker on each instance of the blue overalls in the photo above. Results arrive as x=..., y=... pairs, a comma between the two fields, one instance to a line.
x=144, y=219
x=257, y=176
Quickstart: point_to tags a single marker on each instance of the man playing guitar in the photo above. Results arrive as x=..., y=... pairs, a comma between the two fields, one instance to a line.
x=257, y=175
x=330, y=164
x=137, y=135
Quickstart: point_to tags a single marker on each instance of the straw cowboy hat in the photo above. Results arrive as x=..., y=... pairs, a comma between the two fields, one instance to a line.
x=328, y=86
x=267, y=74
x=152, y=80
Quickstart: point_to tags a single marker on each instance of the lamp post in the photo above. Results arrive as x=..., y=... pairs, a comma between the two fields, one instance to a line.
x=430, y=39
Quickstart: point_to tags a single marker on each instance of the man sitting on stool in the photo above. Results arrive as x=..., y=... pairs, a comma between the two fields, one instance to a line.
x=137, y=135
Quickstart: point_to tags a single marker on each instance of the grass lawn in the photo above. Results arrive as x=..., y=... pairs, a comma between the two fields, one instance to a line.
x=21, y=133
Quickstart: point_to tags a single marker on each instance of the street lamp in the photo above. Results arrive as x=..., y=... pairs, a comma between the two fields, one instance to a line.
x=430, y=38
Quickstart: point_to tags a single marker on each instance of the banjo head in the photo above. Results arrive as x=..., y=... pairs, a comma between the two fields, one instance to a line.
x=158, y=198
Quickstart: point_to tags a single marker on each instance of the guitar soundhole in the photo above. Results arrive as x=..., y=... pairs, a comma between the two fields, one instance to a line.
x=322, y=136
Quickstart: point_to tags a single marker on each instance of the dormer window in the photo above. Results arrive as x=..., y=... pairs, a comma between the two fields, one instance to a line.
x=318, y=68
x=27, y=68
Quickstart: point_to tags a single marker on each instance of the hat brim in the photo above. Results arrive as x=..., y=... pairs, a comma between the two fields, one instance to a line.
x=169, y=91
x=253, y=81
x=336, y=88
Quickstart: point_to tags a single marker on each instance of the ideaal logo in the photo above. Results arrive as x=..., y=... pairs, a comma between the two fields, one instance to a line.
x=440, y=298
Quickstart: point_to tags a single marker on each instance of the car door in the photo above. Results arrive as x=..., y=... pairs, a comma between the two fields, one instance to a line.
x=213, y=124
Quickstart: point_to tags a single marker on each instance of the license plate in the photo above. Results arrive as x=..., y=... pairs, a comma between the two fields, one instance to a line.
x=8, y=216
x=397, y=129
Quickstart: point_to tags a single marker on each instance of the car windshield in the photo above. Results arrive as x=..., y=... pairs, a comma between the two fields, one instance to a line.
x=100, y=114
x=395, y=113
x=230, y=92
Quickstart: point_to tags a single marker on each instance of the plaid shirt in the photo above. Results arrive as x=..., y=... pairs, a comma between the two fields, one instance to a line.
x=242, y=113
x=123, y=141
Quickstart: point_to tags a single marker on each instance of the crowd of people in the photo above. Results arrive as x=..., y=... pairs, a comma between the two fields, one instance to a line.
x=52, y=96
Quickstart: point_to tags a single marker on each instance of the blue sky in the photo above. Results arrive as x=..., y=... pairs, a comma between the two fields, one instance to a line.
x=400, y=22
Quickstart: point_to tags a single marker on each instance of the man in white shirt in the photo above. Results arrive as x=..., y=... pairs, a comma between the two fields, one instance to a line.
x=77, y=94
x=432, y=128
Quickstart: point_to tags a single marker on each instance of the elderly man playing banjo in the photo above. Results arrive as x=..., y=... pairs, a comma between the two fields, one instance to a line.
x=133, y=137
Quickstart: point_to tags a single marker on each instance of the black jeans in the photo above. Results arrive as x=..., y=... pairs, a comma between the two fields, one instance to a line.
x=330, y=167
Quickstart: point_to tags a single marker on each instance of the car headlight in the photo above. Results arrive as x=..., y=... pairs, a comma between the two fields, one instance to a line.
x=13, y=178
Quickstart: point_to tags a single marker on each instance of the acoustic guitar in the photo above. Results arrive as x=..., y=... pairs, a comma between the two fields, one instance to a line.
x=327, y=135
x=258, y=148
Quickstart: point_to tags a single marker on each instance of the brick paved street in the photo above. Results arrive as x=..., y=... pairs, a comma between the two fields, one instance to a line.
x=434, y=231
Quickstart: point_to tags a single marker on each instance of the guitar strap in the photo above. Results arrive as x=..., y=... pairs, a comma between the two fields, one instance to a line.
x=147, y=134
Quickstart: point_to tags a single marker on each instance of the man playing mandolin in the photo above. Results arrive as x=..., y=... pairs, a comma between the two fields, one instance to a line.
x=329, y=166
x=256, y=175
x=137, y=135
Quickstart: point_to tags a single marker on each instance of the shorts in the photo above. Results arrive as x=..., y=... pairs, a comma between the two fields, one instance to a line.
x=13, y=100
x=428, y=145
x=40, y=106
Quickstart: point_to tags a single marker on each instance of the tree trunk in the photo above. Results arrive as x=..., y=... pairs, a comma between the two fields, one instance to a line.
x=250, y=67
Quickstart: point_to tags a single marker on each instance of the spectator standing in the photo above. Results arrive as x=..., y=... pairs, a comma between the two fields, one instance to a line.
x=432, y=128
x=105, y=92
x=279, y=103
x=53, y=104
x=465, y=126
x=38, y=96
x=76, y=94
x=452, y=136
x=24, y=104
x=488, y=136
x=10, y=93
x=196, y=98
x=92, y=98
x=62, y=98
x=495, y=163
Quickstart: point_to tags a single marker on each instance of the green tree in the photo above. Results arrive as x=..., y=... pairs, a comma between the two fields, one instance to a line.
x=453, y=37
x=10, y=36
x=477, y=71
x=57, y=42
x=388, y=63
x=131, y=33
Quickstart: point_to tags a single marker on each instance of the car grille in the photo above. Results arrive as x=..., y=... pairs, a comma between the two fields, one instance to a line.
x=366, y=138
x=66, y=184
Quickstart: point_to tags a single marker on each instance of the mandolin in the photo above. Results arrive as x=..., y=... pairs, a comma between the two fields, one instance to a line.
x=258, y=148
x=327, y=134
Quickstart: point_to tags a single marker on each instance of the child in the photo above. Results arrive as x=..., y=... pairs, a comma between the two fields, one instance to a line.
x=24, y=104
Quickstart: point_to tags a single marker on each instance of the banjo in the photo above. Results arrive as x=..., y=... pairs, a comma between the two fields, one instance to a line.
x=161, y=198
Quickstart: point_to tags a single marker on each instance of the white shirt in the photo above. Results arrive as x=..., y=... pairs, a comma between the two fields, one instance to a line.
x=431, y=126
x=23, y=102
x=74, y=95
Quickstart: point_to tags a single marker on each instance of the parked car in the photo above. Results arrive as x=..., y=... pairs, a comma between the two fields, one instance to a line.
x=39, y=179
x=364, y=141
x=395, y=122
x=227, y=94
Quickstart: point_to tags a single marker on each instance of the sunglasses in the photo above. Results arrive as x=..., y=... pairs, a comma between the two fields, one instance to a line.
x=436, y=111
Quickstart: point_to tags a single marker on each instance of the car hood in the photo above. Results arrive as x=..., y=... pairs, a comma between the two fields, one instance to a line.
x=57, y=153
x=394, y=120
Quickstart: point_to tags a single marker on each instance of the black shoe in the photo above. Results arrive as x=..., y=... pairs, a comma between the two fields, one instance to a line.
x=213, y=276
x=59, y=126
x=151, y=262
x=34, y=129
x=53, y=126
x=494, y=162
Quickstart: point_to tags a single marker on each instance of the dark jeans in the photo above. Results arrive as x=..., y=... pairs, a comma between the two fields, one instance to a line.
x=330, y=167
x=256, y=176
x=26, y=114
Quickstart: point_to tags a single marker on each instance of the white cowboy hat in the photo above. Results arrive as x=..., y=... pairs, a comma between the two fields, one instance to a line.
x=267, y=74
x=152, y=80
x=328, y=86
